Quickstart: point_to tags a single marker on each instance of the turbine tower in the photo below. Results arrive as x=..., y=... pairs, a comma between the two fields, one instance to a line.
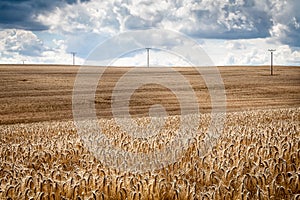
x=148, y=49
x=271, y=66
x=73, y=54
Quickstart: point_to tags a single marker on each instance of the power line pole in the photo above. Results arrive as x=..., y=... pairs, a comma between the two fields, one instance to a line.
x=271, y=51
x=73, y=54
x=148, y=49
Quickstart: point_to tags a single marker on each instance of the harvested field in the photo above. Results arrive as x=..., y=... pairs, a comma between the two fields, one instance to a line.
x=44, y=93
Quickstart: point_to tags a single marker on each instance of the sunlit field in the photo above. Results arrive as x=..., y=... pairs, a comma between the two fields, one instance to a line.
x=256, y=157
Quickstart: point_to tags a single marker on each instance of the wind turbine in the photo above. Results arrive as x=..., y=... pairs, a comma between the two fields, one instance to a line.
x=148, y=49
x=271, y=51
x=73, y=54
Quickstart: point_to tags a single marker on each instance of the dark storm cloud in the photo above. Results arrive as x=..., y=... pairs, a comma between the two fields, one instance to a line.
x=219, y=19
x=234, y=21
x=291, y=19
x=20, y=14
x=293, y=36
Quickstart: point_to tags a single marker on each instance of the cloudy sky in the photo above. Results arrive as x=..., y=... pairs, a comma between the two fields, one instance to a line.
x=232, y=32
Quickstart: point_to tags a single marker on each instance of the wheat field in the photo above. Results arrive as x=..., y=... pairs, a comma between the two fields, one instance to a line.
x=256, y=157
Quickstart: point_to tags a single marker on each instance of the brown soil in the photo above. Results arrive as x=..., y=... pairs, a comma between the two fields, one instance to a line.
x=31, y=93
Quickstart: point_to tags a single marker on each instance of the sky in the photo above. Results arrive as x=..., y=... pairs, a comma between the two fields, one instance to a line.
x=231, y=32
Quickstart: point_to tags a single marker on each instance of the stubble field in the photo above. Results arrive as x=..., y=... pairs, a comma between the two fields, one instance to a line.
x=256, y=157
x=44, y=93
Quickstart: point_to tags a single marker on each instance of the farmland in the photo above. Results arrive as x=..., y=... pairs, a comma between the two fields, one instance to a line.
x=44, y=93
x=256, y=157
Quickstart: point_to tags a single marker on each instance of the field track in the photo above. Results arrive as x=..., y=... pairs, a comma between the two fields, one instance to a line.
x=33, y=93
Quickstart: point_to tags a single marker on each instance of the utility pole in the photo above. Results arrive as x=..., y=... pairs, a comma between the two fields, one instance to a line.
x=271, y=51
x=148, y=49
x=73, y=54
